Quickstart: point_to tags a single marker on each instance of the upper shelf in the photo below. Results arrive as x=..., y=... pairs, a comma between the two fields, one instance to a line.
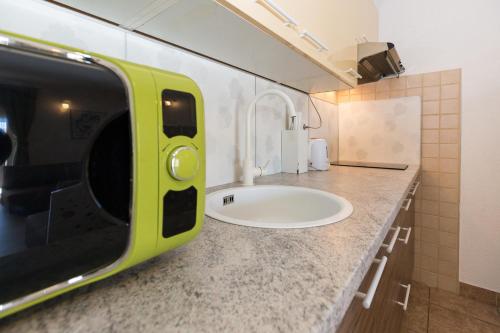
x=211, y=29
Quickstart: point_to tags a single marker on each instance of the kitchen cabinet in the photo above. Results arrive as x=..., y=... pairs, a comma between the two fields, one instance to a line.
x=327, y=31
x=392, y=293
x=213, y=29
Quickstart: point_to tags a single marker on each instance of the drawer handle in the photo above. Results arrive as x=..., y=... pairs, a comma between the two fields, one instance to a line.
x=287, y=19
x=406, y=204
x=407, y=296
x=368, y=297
x=394, y=238
x=414, y=189
x=306, y=35
x=407, y=237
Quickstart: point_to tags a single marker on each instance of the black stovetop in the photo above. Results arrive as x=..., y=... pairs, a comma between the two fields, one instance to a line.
x=378, y=165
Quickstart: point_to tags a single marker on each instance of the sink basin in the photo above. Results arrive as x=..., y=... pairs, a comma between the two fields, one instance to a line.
x=275, y=206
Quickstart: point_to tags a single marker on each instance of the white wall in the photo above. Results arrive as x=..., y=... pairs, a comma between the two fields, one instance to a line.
x=226, y=91
x=434, y=35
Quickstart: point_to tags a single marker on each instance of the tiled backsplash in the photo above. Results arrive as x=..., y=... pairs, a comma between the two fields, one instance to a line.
x=387, y=131
x=227, y=92
x=437, y=204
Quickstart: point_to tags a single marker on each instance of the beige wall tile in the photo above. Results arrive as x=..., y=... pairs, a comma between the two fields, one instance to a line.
x=343, y=99
x=448, y=150
x=449, y=136
x=430, y=136
x=329, y=96
x=450, y=91
x=398, y=83
x=414, y=92
x=397, y=93
x=430, y=122
x=430, y=150
x=416, y=275
x=414, y=81
x=343, y=93
x=418, y=219
x=355, y=91
x=429, y=278
x=447, y=209
x=382, y=95
x=451, y=76
x=448, y=165
x=448, y=254
x=432, y=79
x=430, y=178
x=450, y=106
x=418, y=260
x=430, y=193
x=430, y=235
x=429, y=263
x=439, y=210
x=418, y=233
x=382, y=85
x=431, y=93
x=430, y=164
x=448, y=268
x=417, y=247
x=448, y=283
x=368, y=97
x=430, y=221
x=431, y=207
x=448, y=239
x=450, y=121
x=431, y=107
x=448, y=195
x=430, y=250
x=449, y=180
x=355, y=98
x=448, y=224
x=368, y=88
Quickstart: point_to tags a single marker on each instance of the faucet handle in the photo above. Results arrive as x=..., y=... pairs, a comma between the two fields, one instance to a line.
x=266, y=165
x=261, y=169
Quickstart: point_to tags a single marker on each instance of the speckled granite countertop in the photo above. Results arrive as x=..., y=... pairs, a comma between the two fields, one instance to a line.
x=240, y=279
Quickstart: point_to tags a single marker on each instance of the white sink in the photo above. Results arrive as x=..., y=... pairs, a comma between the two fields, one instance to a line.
x=275, y=206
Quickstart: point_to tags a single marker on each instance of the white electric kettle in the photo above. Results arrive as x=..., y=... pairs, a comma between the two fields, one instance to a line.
x=318, y=154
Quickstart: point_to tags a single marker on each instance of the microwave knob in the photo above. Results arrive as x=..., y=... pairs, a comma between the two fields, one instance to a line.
x=183, y=163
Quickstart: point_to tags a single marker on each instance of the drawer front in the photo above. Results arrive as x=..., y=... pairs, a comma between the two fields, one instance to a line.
x=387, y=308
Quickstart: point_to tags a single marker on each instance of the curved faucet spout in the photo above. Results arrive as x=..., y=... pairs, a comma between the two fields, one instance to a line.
x=249, y=169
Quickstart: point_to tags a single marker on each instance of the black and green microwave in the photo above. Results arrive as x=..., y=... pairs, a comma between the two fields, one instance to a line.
x=102, y=166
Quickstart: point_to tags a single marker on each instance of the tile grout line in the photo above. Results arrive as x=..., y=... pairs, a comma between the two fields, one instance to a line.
x=465, y=315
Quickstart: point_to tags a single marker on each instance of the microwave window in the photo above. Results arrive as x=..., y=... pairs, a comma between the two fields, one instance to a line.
x=65, y=170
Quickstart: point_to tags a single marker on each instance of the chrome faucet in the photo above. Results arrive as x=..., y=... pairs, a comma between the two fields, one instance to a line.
x=249, y=169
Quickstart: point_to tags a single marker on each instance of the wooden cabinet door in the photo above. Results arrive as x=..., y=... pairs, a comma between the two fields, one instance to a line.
x=339, y=24
x=389, y=316
x=386, y=312
x=375, y=319
x=334, y=24
x=358, y=319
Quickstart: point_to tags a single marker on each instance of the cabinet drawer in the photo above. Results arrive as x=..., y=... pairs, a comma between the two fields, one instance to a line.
x=386, y=310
